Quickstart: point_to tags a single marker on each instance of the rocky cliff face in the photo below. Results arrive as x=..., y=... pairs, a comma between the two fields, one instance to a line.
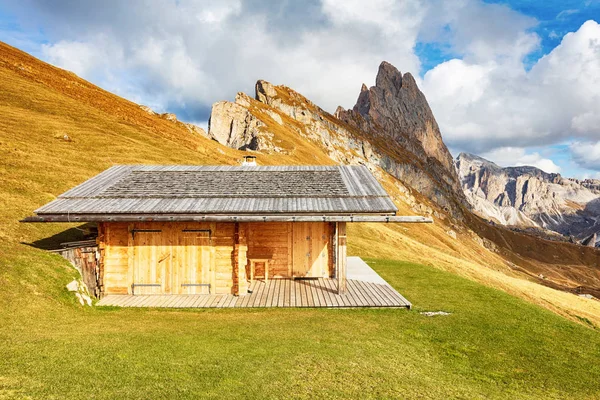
x=530, y=197
x=391, y=127
x=395, y=115
x=396, y=109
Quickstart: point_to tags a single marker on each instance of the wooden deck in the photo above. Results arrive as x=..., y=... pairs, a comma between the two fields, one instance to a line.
x=276, y=293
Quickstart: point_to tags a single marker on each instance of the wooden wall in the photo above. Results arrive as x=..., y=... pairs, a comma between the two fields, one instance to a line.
x=176, y=256
x=271, y=240
x=298, y=249
x=113, y=242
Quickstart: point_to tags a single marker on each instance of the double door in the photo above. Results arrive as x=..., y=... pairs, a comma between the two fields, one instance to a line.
x=172, y=261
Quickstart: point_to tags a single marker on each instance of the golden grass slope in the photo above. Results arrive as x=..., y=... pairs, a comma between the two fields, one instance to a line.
x=40, y=104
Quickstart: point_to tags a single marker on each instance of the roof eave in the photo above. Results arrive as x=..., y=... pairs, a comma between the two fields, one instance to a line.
x=386, y=218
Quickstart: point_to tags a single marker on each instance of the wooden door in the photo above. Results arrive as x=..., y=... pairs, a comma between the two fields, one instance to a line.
x=320, y=250
x=151, y=262
x=194, y=271
x=310, y=249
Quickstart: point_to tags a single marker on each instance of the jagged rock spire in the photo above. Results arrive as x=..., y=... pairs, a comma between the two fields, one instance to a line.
x=396, y=106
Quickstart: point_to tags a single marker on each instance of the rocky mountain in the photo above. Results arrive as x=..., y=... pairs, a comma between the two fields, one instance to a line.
x=391, y=126
x=528, y=197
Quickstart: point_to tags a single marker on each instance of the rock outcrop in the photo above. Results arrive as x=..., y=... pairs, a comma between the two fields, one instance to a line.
x=590, y=241
x=395, y=115
x=236, y=126
x=529, y=197
x=396, y=109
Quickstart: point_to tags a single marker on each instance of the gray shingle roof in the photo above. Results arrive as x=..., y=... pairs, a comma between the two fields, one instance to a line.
x=145, y=189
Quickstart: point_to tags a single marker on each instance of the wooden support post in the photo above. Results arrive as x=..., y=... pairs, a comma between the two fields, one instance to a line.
x=130, y=258
x=243, y=261
x=341, y=257
x=212, y=271
x=290, y=249
x=101, y=242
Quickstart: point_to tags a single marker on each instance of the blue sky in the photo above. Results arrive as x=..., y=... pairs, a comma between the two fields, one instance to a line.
x=554, y=20
x=517, y=82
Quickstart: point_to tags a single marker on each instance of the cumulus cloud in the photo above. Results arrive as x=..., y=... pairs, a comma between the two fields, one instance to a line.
x=587, y=154
x=188, y=54
x=485, y=105
x=183, y=55
x=480, y=32
x=517, y=157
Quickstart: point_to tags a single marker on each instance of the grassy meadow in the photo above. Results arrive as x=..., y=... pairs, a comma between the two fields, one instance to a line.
x=492, y=345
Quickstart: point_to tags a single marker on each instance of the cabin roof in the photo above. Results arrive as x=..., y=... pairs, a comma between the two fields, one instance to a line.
x=226, y=190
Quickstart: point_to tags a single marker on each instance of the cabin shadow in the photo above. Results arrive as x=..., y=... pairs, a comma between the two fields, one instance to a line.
x=81, y=233
x=312, y=282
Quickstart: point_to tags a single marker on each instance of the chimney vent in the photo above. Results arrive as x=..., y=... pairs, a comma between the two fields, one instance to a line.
x=249, y=161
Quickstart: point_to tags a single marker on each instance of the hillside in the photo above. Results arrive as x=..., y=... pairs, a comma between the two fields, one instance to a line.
x=41, y=104
x=56, y=130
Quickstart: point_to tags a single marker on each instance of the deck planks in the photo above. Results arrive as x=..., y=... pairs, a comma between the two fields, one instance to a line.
x=283, y=293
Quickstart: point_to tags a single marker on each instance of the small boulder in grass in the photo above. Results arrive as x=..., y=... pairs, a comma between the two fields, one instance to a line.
x=63, y=136
x=73, y=286
x=81, y=292
x=434, y=313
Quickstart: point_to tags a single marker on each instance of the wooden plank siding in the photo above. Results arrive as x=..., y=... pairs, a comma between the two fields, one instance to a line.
x=151, y=258
x=271, y=241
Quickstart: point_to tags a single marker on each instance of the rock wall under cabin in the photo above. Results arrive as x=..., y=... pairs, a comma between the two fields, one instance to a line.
x=85, y=259
x=186, y=257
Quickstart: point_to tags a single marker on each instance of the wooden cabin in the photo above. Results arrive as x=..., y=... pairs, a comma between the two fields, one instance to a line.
x=214, y=229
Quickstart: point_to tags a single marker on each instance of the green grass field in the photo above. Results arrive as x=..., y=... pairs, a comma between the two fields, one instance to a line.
x=493, y=345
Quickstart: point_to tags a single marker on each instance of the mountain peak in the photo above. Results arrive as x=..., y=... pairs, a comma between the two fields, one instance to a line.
x=264, y=91
x=388, y=77
x=396, y=112
x=526, y=196
x=512, y=171
x=395, y=107
x=463, y=156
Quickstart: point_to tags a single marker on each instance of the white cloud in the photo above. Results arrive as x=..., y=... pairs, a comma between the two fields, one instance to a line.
x=479, y=31
x=81, y=58
x=191, y=54
x=482, y=106
x=517, y=157
x=587, y=122
x=586, y=154
x=185, y=55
